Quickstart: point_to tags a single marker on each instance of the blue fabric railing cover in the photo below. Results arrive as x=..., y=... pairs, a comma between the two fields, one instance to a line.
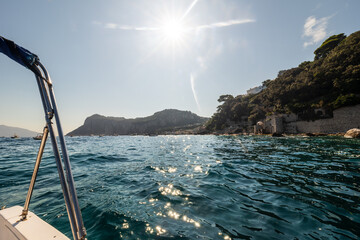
x=18, y=54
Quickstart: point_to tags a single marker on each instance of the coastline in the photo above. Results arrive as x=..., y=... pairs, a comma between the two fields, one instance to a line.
x=223, y=134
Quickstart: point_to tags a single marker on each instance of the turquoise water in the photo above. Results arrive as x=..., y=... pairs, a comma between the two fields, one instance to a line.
x=195, y=187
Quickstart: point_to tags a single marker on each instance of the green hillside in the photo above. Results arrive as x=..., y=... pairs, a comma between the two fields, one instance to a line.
x=331, y=81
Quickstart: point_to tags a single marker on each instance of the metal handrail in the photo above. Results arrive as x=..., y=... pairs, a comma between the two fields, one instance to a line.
x=69, y=176
x=36, y=169
x=66, y=180
x=31, y=61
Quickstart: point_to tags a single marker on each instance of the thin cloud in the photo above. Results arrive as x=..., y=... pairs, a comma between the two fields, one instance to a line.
x=144, y=28
x=315, y=29
x=225, y=24
x=126, y=27
x=111, y=25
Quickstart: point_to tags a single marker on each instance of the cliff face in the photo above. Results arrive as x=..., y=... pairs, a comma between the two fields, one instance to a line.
x=158, y=123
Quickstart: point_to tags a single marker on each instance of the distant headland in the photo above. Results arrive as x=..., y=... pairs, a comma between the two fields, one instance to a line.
x=7, y=131
x=169, y=121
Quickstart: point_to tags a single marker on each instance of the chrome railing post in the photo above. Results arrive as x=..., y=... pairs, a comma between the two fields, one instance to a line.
x=48, y=117
x=69, y=176
x=35, y=172
x=66, y=178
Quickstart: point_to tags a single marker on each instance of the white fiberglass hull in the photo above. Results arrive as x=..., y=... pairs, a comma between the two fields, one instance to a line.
x=33, y=228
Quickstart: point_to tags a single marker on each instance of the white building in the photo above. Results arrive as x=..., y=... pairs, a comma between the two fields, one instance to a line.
x=255, y=90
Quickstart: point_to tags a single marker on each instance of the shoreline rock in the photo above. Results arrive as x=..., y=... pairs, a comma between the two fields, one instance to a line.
x=277, y=135
x=353, y=133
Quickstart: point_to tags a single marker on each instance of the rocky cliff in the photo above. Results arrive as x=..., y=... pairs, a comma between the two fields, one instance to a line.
x=158, y=123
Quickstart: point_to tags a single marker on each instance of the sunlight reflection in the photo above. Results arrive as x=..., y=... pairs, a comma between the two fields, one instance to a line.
x=177, y=216
x=169, y=190
x=148, y=229
x=189, y=220
x=125, y=225
x=152, y=201
x=160, y=214
x=187, y=147
x=198, y=168
x=173, y=214
x=226, y=237
x=159, y=170
x=160, y=230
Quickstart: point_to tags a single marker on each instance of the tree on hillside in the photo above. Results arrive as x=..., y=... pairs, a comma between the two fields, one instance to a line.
x=328, y=45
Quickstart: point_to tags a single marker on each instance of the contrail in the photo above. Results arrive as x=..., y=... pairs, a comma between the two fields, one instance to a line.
x=127, y=27
x=192, y=81
x=225, y=24
x=205, y=26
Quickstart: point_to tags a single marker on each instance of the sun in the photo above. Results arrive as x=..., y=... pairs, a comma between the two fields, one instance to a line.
x=173, y=30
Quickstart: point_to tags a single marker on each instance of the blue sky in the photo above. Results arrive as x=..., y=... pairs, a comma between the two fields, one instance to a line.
x=131, y=58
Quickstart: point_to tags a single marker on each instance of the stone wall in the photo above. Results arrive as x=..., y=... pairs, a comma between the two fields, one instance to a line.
x=343, y=119
x=272, y=124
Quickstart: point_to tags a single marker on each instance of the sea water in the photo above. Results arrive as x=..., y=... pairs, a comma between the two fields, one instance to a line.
x=195, y=187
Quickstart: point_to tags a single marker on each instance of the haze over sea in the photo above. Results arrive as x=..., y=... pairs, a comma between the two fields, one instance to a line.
x=195, y=187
